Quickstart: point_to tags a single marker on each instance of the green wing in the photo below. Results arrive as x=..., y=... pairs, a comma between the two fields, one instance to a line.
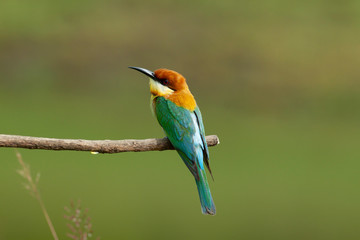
x=180, y=128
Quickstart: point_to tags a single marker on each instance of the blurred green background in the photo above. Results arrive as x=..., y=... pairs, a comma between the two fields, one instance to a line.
x=277, y=81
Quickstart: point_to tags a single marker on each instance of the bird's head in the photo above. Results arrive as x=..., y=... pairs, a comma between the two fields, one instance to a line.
x=164, y=82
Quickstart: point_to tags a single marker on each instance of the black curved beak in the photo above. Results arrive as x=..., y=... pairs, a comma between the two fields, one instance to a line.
x=145, y=71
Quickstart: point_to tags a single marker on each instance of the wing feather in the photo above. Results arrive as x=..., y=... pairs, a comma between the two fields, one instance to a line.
x=202, y=133
x=181, y=130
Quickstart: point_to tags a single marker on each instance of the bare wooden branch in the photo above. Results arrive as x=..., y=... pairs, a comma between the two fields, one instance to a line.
x=100, y=146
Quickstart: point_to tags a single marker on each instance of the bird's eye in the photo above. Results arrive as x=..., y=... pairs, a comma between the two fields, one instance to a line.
x=165, y=82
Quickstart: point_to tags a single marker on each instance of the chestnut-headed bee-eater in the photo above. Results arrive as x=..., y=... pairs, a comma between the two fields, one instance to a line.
x=175, y=109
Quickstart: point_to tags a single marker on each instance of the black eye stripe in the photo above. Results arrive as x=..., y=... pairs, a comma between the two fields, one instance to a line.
x=164, y=81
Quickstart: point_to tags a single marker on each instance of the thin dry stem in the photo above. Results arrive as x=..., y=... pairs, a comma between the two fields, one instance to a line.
x=32, y=187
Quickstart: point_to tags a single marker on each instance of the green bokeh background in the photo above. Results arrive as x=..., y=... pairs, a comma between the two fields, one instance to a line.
x=277, y=81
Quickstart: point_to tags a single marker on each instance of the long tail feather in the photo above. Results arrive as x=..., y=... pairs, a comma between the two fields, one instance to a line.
x=207, y=203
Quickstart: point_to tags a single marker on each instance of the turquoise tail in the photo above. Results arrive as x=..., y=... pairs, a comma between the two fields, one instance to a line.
x=207, y=203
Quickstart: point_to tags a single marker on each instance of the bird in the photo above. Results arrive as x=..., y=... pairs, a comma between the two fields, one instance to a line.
x=178, y=114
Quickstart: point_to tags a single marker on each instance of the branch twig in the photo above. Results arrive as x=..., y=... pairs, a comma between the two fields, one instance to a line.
x=101, y=146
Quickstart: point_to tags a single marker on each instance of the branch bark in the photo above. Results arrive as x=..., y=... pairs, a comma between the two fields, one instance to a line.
x=100, y=146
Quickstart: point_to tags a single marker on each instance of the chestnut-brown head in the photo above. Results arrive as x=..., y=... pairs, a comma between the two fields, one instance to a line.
x=171, y=85
x=164, y=82
x=171, y=79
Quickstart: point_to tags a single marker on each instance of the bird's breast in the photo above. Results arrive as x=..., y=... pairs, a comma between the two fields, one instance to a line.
x=182, y=98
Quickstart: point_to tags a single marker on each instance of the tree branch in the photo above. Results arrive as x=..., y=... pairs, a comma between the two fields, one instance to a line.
x=101, y=146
